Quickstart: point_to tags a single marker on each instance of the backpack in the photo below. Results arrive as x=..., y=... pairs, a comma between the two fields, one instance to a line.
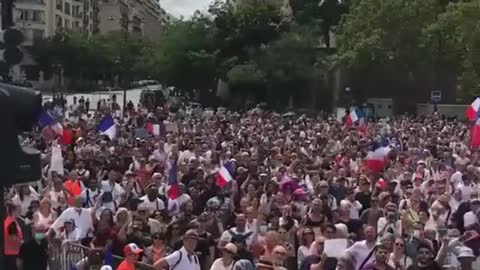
x=240, y=237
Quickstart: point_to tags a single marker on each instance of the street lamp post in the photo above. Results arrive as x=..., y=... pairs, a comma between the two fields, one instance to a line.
x=118, y=61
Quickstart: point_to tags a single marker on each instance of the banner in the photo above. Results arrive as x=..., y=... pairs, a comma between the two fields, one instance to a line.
x=56, y=160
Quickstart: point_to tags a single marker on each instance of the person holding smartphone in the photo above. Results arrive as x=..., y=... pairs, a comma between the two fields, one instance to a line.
x=390, y=223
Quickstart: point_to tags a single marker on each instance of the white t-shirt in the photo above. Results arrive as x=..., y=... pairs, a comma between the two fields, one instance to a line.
x=27, y=200
x=174, y=205
x=116, y=191
x=83, y=221
x=179, y=260
x=396, y=228
x=90, y=197
x=156, y=205
x=354, y=207
x=54, y=197
x=469, y=219
x=466, y=191
x=218, y=265
x=227, y=236
x=456, y=178
x=72, y=236
x=359, y=252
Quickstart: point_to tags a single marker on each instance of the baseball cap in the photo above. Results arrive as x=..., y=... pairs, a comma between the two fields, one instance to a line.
x=130, y=249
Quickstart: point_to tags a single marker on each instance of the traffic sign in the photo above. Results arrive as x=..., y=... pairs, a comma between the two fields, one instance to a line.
x=436, y=96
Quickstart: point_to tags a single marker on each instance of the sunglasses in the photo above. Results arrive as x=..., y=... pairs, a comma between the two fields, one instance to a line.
x=399, y=244
x=157, y=238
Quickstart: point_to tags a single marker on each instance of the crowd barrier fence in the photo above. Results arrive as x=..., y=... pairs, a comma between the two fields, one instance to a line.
x=70, y=255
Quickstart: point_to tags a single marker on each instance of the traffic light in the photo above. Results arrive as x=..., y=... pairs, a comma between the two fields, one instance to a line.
x=19, y=111
x=10, y=40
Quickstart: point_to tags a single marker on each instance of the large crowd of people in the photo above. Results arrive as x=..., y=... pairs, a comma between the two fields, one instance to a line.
x=300, y=195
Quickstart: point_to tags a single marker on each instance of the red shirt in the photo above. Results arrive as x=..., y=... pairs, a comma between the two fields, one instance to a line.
x=12, y=243
x=126, y=265
x=67, y=137
x=73, y=189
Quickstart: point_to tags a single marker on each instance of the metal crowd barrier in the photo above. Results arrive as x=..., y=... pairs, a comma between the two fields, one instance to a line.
x=70, y=255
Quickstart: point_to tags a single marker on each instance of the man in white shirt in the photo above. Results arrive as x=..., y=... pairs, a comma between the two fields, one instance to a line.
x=456, y=177
x=25, y=200
x=91, y=194
x=151, y=202
x=175, y=204
x=160, y=154
x=360, y=251
x=470, y=218
x=184, y=258
x=186, y=155
x=239, y=231
x=111, y=192
x=351, y=204
x=391, y=222
x=465, y=187
x=81, y=216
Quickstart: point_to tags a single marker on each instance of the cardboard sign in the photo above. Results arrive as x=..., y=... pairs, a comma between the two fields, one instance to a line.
x=56, y=161
x=335, y=247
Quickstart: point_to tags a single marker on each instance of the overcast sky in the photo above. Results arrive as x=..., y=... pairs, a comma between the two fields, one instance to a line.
x=184, y=7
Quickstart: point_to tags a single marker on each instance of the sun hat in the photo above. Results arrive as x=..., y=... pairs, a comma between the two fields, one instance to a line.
x=231, y=248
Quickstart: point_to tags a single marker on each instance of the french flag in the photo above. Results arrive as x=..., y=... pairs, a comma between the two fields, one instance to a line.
x=376, y=157
x=107, y=127
x=46, y=120
x=223, y=175
x=475, y=134
x=356, y=115
x=153, y=129
x=472, y=110
x=174, y=189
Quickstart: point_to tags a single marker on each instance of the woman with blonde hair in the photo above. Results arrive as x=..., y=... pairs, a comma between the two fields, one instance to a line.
x=45, y=216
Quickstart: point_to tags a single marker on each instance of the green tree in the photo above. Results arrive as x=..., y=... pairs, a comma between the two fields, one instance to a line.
x=185, y=57
x=461, y=32
x=240, y=29
x=323, y=16
x=85, y=58
x=291, y=67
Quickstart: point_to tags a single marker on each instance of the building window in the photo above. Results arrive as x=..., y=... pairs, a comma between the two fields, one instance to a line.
x=76, y=12
x=38, y=16
x=67, y=8
x=18, y=15
x=59, y=4
x=67, y=24
x=58, y=21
